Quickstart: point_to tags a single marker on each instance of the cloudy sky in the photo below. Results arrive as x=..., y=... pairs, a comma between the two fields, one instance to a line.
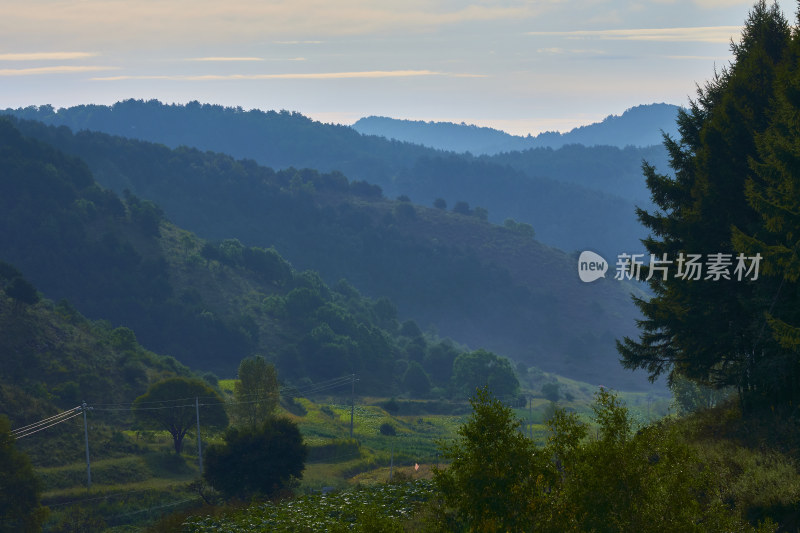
x=523, y=66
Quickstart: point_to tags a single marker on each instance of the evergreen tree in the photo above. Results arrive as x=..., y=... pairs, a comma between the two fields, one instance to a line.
x=492, y=475
x=772, y=191
x=706, y=329
x=416, y=380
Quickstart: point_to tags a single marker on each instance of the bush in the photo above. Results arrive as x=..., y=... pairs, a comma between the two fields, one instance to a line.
x=650, y=480
x=256, y=462
x=551, y=391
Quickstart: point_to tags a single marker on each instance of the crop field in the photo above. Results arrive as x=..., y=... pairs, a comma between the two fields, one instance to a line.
x=379, y=508
x=144, y=479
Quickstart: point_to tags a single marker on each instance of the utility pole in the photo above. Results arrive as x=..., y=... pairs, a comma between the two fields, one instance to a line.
x=199, y=446
x=86, y=440
x=352, y=403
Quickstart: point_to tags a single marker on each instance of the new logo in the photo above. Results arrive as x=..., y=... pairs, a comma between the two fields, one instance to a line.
x=591, y=266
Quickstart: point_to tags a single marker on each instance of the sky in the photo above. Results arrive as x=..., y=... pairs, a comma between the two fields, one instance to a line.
x=516, y=65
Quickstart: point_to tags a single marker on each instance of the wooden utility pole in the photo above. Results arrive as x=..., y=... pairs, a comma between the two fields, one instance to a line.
x=86, y=440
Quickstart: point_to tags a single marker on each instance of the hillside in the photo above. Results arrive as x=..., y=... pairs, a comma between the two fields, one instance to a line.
x=52, y=359
x=608, y=169
x=638, y=126
x=482, y=285
x=556, y=203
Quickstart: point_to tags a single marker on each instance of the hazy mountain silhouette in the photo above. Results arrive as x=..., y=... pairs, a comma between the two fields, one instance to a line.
x=573, y=198
x=638, y=126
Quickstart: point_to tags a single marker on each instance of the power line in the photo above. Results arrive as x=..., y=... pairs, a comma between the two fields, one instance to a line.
x=287, y=392
x=44, y=420
x=22, y=434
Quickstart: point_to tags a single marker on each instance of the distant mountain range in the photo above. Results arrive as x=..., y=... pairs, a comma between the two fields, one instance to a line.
x=638, y=126
x=574, y=197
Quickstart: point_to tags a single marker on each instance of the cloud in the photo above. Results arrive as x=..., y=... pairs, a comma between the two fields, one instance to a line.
x=565, y=51
x=60, y=69
x=226, y=59
x=717, y=4
x=706, y=34
x=244, y=59
x=701, y=58
x=45, y=56
x=129, y=23
x=290, y=76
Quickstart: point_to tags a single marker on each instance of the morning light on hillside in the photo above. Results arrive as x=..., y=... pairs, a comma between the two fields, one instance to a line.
x=399, y=267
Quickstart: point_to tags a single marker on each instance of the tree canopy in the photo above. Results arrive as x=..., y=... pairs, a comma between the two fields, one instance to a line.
x=623, y=480
x=170, y=405
x=256, y=461
x=711, y=330
x=472, y=370
x=255, y=393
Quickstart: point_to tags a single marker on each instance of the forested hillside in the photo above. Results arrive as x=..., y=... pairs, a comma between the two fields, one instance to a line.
x=572, y=206
x=615, y=171
x=479, y=284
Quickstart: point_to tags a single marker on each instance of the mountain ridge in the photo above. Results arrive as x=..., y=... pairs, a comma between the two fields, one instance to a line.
x=639, y=126
x=556, y=204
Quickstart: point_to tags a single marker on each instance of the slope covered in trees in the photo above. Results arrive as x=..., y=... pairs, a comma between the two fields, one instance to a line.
x=585, y=212
x=210, y=304
x=480, y=284
x=52, y=359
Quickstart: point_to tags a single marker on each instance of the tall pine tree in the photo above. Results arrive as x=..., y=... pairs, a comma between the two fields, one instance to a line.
x=706, y=329
x=774, y=193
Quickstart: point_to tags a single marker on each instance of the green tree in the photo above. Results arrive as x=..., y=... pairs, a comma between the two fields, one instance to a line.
x=22, y=292
x=170, y=405
x=415, y=380
x=438, y=362
x=472, y=370
x=20, y=508
x=462, y=208
x=772, y=192
x=645, y=481
x=690, y=396
x=492, y=471
x=256, y=461
x=256, y=393
x=704, y=329
x=551, y=391
x=9, y=271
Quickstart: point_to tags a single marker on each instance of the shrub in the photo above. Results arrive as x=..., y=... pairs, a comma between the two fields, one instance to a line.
x=256, y=462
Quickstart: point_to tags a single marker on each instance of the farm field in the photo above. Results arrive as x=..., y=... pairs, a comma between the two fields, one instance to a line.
x=146, y=480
